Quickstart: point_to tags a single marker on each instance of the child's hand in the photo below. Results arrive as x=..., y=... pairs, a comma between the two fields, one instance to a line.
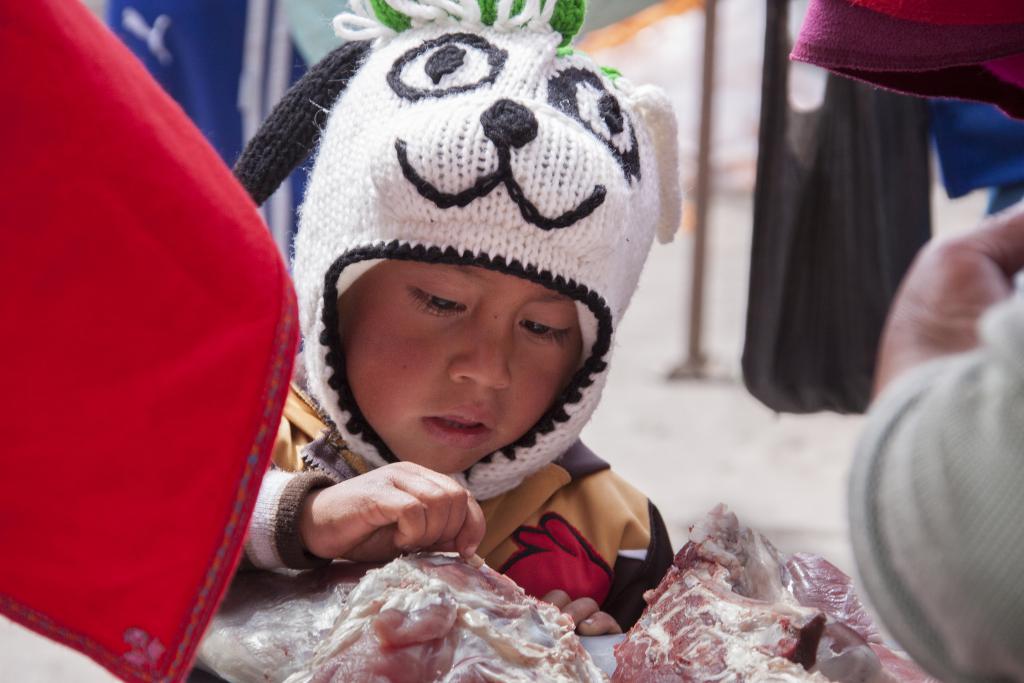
x=390, y=510
x=585, y=613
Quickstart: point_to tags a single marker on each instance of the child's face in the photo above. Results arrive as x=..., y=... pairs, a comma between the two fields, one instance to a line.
x=450, y=363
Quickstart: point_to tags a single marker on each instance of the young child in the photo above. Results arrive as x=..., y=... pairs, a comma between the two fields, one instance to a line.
x=481, y=205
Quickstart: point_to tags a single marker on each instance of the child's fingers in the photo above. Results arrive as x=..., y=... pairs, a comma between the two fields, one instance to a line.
x=473, y=528
x=598, y=624
x=457, y=512
x=409, y=513
x=447, y=515
x=558, y=598
x=581, y=609
x=459, y=502
x=586, y=614
x=437, y=506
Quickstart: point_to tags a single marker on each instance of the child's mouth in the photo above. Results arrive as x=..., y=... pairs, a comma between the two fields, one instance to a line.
x=456, y=431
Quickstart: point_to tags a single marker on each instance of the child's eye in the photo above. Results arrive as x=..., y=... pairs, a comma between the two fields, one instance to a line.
x=544, y=331
x=435, y=304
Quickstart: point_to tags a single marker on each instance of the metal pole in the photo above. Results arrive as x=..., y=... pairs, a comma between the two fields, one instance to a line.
x=694, y=366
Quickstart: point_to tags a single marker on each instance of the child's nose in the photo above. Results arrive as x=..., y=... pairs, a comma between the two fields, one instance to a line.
x=483, y=359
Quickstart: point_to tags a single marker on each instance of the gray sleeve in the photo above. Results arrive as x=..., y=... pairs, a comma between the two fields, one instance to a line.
x=937, y=507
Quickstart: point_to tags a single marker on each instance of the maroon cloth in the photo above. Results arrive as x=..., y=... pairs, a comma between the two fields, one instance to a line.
x=914, y=57
x=149, y=334
x=1010, y=69
x=958, y=12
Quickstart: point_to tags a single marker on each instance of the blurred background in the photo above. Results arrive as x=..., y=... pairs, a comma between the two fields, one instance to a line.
x=677, y=418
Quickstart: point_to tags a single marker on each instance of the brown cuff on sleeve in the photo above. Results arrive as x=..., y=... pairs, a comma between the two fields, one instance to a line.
x=287, y=539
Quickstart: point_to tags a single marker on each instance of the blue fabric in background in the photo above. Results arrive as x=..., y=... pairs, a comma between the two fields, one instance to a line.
x=198, y=51
x=978, y=146
x=204, y=47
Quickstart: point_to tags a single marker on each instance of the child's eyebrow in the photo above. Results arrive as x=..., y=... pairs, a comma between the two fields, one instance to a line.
x=547, y=296
x=553, y=296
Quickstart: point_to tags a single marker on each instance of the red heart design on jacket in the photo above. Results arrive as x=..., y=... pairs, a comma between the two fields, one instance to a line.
x=554, y=555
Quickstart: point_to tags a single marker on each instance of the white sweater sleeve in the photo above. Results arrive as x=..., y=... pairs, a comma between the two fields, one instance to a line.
x=937, y=507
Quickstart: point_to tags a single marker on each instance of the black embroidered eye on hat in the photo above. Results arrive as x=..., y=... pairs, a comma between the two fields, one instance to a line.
x=466, y=132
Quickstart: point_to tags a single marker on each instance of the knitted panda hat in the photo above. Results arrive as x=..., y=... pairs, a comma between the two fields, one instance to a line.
x=465, y=132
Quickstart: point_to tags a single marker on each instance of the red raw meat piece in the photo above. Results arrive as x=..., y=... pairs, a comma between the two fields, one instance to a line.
x=722, y=613
x=731, y=610
x=818, y=583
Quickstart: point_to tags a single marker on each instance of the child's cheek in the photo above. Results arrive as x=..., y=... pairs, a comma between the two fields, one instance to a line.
x=387, y=373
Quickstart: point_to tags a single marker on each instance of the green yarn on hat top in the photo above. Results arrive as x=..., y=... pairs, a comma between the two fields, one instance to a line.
x=489, y=10
x=389, y=16
x=566, y=19
x=611, y=72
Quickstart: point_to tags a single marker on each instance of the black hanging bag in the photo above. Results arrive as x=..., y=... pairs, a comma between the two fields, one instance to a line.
x=841, y=205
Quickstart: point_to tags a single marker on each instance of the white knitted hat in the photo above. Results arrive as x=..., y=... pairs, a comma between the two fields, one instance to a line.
x=470, y=135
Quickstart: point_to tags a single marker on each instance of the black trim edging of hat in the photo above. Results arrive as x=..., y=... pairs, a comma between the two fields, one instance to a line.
x=331, y=338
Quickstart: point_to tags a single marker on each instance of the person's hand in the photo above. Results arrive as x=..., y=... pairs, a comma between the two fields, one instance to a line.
x=390, y=510
x=586, y=614
x=948, y=287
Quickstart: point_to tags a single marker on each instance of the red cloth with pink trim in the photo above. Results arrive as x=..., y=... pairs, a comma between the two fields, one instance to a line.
x=142, y=295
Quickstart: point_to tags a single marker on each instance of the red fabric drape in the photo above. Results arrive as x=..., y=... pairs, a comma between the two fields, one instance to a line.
x=149, y=333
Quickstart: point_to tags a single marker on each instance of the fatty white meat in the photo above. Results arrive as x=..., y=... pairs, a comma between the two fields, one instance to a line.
x=435, y=618
x=420, y=618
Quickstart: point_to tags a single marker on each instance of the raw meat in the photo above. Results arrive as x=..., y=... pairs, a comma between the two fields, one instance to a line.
x=818, y=583
x=731, y=609
x=269, y=625
x=434, y=618
x=722, y=613
x=419, y=618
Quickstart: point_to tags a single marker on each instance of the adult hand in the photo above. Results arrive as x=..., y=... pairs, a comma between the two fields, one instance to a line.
x=390, y=510
x=586, y=614
x=948, y=287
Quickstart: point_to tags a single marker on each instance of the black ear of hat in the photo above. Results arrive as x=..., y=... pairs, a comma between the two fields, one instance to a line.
x=289, y=134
